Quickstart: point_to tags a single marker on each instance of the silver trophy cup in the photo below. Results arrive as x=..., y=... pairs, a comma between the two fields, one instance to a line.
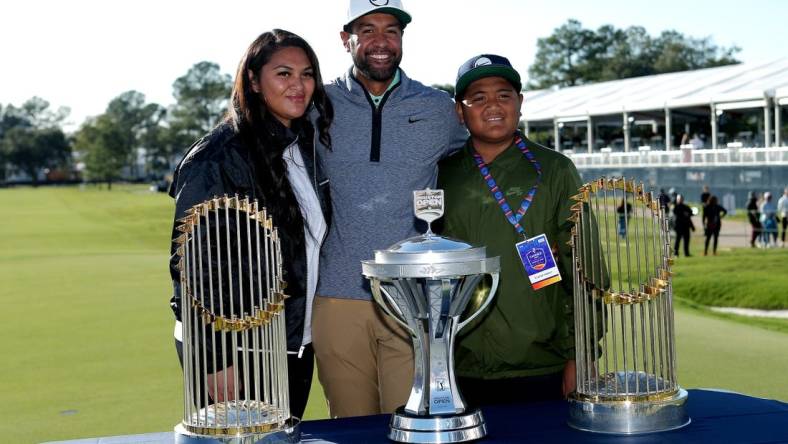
x=623, y=298
x=232, y=309
x=426, y=283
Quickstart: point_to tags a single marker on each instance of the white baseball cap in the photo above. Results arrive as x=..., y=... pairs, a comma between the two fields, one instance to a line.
x=358, y=8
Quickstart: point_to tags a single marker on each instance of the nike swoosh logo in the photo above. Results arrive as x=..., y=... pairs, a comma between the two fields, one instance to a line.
x=412, y=120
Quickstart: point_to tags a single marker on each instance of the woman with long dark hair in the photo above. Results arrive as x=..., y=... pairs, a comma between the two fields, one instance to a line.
x=265, y=150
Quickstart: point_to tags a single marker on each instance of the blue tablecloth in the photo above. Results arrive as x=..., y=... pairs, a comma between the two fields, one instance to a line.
x=717, y=417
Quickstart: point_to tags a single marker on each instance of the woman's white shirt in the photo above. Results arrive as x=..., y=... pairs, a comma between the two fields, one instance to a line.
x=314, y=226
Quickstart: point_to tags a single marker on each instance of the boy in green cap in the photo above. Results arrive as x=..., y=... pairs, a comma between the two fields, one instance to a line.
x=523, y=347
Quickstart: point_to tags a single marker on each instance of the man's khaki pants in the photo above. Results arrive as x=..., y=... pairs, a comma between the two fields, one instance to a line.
x=364, y=358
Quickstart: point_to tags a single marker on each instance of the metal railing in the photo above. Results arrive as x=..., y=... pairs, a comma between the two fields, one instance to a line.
x=683, y=157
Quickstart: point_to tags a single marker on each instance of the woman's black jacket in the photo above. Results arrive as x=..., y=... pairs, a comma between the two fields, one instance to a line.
x=220, y=163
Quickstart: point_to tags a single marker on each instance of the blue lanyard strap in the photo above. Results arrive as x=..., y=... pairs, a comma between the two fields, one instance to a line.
x=512, y=217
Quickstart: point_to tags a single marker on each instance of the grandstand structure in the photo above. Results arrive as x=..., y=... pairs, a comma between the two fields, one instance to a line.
x=725, y=127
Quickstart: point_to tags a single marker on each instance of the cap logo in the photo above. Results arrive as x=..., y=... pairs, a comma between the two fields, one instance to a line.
x=379, y=2
x=481, y=61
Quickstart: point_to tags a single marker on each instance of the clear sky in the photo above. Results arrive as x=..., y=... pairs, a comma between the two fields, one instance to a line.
x=81, y=53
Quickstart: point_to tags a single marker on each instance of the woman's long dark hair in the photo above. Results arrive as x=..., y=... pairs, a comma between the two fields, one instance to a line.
x=256, y=126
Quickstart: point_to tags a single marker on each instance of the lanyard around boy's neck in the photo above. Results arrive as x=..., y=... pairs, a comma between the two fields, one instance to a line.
x=498, y=195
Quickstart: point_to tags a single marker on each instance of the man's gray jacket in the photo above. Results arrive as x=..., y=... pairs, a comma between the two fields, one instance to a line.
x=379, y=157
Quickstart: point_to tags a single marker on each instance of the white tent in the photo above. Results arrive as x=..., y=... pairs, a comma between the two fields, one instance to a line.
x=746, y=85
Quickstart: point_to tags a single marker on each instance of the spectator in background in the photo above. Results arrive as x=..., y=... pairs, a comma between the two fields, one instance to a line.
x=696, y=142
x=682, y=223
x=704, y=196
x=712, y=221
x=768, y=220
x=669, y=214
x=664, y=200
x=624, y=214
x=782, y=212
x=753, y=216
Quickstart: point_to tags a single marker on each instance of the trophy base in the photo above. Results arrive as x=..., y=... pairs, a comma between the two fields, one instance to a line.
x=629, y=417
x=289, y=433
x=409, y=428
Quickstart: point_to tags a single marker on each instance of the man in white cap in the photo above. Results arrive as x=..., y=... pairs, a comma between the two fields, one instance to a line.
x=388, y=134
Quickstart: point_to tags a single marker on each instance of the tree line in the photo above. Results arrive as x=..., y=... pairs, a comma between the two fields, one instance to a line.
x=32, y=139
x=573, y=55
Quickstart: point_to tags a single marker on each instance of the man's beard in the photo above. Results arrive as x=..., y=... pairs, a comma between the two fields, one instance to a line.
x=376, y=74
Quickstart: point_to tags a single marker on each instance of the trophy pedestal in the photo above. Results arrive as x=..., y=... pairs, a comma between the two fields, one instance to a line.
x=437, y=428
x=290, y=433
x=628, y=417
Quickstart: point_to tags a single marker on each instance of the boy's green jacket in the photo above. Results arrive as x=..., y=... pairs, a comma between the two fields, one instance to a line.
x=523, y=332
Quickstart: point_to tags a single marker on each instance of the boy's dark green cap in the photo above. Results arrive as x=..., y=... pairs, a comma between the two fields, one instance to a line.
x=485, y=65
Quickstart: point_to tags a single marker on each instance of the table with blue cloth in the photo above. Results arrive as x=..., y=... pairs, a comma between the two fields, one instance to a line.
x=717, y=417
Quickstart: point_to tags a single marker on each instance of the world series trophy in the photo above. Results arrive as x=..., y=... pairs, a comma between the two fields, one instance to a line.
x=425, y=283
x=235, y=387
x=623, y=299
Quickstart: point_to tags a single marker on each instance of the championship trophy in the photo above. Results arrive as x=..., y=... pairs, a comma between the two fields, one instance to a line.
x=624, y=335
x=235, y=387
x=425, y=283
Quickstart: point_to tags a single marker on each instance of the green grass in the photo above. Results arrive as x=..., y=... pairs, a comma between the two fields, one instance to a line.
x=85, y=300
x=740, y=216
x=87, y=330
x=740, y=277
x=774, y=324
x=85, y=294
x=737, y=277
x=714, y=352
